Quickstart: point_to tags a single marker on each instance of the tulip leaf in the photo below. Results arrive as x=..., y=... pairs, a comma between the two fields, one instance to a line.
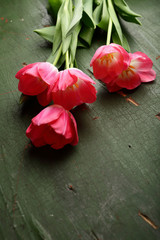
x=86, y=35
x=115, y=20
x=115, y=39
x=98, y=12
x=122, y=5
x=130, y=18
x=81, y=44
x=103, y=24
x=88, y=13
x=97, y=2
x=24, y=98
x=52, y=58
x=65, y=22
x=74, y=40
x=58, y=31
x=77, y=15
x=55, y=5
x=47, y=33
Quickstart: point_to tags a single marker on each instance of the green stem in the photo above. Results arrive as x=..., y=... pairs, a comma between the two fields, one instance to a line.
x=71, y=65
x=109, y=32
x=67, y=60
x=58, y=55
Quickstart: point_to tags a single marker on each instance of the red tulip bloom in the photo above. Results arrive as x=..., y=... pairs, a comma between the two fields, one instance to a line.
x=35, y=78
x=72, y=88
x=54, y=126
x=139, y=70
x=109, y=61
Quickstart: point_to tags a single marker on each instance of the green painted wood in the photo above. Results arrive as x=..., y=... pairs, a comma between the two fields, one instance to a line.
x=114, y=170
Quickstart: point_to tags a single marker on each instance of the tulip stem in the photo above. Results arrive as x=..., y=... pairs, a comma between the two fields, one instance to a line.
x=58, y=55
x=71, y=65
x=67, y=60
x=109, y=32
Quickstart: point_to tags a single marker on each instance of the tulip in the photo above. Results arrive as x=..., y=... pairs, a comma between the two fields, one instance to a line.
x=35, y=78
x=109, y=61
x=54, y=126
x=72, y=88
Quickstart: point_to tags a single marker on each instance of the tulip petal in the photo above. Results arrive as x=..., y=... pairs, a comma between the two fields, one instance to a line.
x=113, y=87
x=45, y=97
x=35, y=134
x=48, y=115
x=30, y=85
x=62, y=125
x=23, y=70
x=65, y=80
x=33, y=71
x=140, y=61
x=74, y=131
x=128, y=79
x=48, y=72
x=86, y=92
x=143, y=65
x=147, y=76
x=78, y=74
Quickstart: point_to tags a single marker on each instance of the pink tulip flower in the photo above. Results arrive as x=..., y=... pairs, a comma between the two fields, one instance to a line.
x=35, y=78
x=54, y=126
x=139, y=70
x=109, y=61
x=73, y=88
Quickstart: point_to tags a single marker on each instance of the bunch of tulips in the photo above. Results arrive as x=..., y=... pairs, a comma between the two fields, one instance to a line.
x=55, y=125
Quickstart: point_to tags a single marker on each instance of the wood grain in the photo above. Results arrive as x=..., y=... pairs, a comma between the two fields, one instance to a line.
x=96, y=189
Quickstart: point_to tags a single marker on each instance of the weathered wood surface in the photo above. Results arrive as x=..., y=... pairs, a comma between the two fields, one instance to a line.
x=96, y=189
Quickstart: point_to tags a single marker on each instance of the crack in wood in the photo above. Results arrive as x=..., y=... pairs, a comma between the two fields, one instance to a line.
x=148, y=220
x=158, y=116
x=131, y=100
x=128, y=99
x=95, y=235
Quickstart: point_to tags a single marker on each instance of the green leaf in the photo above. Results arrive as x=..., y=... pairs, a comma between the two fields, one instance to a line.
x=130, y=18
x=77, y=15
x=47, y=33
x=81, y=44
x=115, y=39
x=24, y=98
x=55, y=5
x=65, y=22
x=52, y=57
x=115, y=20
x=103, y=24
x=88, y=13
x=86, y=35
x=98, y=13
x=58, y=32
x=74, y=41
x=97, y=2
x=122, y=5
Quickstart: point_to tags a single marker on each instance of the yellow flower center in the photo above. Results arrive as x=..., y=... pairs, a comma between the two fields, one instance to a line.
x=128, y=72
x=106, y=59
x=73, y=86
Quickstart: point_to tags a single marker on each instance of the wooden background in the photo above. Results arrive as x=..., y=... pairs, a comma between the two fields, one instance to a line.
x=93, y=191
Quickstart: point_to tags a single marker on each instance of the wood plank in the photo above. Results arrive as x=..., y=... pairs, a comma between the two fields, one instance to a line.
x=113, y=171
